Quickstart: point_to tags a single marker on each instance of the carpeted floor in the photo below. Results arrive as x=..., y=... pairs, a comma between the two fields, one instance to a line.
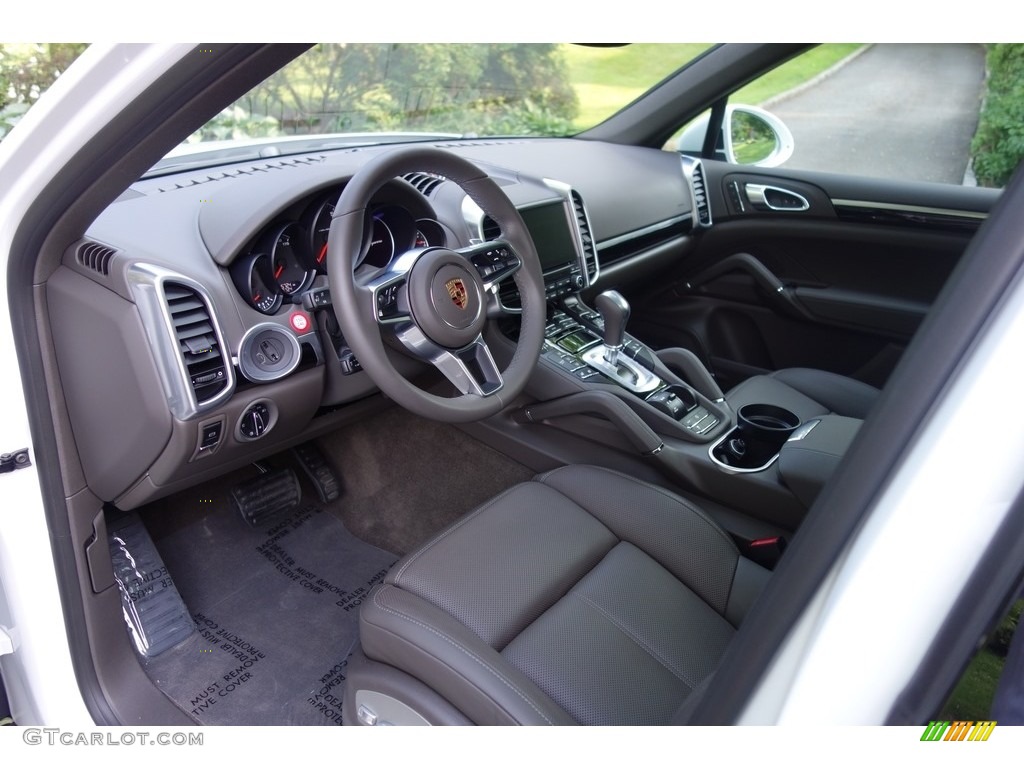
x=405, y=478
x=276, y=608
x=276, y=613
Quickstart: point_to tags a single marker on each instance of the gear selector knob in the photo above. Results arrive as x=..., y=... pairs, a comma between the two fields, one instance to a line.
x=614, y=310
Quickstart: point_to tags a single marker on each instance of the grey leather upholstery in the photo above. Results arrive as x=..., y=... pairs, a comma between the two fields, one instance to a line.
x=583, y=596
x=807, y=392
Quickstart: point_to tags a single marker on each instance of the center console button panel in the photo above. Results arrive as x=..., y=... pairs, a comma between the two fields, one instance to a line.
x=573, y=342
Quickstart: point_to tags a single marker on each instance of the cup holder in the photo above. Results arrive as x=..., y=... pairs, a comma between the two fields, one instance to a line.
x=754, y=443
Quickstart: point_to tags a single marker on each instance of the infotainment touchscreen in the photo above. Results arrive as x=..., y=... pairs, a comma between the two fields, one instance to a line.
x=552, y=238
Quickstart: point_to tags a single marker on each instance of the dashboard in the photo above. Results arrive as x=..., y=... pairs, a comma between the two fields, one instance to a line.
x=209, y=288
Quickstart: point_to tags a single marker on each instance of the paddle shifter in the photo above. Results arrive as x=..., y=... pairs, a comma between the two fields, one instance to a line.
x=614, y=311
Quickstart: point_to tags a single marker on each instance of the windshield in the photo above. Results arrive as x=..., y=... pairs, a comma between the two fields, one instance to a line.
x=385, y=92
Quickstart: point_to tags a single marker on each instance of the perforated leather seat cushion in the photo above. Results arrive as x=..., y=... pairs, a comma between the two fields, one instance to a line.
x=584, y=596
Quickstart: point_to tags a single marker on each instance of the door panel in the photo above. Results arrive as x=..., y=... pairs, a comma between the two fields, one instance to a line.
x=841, y=283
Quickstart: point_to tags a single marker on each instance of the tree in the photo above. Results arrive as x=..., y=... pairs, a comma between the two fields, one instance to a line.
x=998, y=144
x=26, y=71
x=475, y=89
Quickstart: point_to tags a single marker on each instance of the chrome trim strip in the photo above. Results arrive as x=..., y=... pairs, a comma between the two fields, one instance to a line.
x=803, y=430
x=731, y=469
x=638, y=233
x=565, y=191
x=691, y=166
x=644, y=382
x=146, y=282
x=977, y=215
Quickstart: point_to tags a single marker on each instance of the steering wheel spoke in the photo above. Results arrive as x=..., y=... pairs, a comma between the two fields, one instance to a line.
x=494, y=261
x=471, y=369
x=390, y=299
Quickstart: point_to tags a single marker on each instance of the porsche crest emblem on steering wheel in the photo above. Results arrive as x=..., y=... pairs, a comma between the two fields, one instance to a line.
x=457, y=290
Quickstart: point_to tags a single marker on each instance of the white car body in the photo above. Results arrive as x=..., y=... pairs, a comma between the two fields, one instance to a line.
x=929, y=508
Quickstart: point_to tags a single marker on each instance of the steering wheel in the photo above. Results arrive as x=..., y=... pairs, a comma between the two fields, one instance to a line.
x=433, y=301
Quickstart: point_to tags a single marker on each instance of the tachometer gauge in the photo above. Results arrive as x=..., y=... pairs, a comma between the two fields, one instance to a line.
x=288, y=259
x=382, y=244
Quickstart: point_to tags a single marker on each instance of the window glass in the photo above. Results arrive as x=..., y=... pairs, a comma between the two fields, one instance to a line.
x=490, y=89
x=947, y=113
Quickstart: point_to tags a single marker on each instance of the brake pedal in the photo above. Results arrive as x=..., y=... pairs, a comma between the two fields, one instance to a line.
x=266, y=497
x=315, y=465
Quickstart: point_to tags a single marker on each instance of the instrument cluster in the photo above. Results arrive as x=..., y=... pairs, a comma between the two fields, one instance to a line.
x=287, y=255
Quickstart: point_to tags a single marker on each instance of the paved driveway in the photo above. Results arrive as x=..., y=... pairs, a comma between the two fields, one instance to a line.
x=895, y=111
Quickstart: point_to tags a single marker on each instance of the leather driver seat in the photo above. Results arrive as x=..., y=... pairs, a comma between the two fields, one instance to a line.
x=581, y=597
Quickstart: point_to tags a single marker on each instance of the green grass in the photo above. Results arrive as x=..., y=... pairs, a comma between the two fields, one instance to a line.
x=607, y=79
x=794, y=72
x=972, y=697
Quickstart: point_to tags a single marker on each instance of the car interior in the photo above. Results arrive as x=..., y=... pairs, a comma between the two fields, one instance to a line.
x=461, y=431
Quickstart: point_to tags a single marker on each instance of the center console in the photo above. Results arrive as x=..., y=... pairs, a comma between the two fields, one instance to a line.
x=594, y=349
x=662, y=408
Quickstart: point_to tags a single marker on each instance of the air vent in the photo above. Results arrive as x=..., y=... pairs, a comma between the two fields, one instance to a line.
x=489, y=229
x=701, y=207
x=425, y=182
x=586, y=239
x=197, y=341
x=95, y=257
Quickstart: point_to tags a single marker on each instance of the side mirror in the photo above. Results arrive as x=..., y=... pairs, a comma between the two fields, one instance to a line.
x=752, y=136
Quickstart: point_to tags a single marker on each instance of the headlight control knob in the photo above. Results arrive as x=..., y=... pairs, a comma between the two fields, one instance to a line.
x=255, y=421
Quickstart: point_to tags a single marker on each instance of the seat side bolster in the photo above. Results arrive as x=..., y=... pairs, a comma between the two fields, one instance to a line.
x=408, y=632
x=747, y=585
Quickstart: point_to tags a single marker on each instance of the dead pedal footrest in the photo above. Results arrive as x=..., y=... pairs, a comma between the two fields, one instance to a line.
x=154, y=612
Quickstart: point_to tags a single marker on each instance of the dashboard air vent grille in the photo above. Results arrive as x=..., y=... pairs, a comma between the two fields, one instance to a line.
x=586, y=238
x=425, y=182
x=197, y=341
x=700, y=195
x=95, y=257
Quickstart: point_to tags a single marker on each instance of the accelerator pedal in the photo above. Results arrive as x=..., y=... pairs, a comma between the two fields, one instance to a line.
x=156, y=615
x=267, y=497
x=315, y=465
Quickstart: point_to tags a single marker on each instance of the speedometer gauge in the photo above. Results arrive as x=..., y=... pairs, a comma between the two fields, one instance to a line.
x=429, y=232
x=319, y=230
x=288, y=259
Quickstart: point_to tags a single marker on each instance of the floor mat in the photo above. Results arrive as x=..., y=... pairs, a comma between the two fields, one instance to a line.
x=276, y=611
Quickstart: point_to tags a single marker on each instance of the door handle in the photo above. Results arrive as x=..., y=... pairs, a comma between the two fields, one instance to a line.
x=766, y=196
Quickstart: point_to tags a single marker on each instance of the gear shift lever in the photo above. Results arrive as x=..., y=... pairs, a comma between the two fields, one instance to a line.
x=614, y=310
x=622, y=369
